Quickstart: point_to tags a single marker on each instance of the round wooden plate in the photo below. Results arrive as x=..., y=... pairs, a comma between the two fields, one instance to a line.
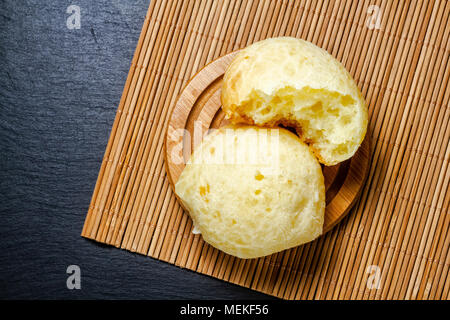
x=199, y=106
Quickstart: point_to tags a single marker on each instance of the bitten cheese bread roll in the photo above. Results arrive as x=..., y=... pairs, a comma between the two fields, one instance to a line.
x=253, y=191
x=295, y=83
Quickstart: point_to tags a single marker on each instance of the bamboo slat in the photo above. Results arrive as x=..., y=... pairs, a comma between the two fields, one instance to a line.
x=398, y=231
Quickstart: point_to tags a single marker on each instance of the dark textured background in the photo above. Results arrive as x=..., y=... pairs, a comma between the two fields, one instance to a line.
x=59, y=90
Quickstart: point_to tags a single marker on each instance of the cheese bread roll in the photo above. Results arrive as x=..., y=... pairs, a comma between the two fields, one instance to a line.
x=292, y=82
x=253, y=191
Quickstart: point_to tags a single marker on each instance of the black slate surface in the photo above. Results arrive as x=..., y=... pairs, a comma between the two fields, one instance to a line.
x=59, y=90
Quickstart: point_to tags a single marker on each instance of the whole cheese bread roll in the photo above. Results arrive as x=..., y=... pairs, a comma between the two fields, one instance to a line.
x=295, y=83
x=253, y=191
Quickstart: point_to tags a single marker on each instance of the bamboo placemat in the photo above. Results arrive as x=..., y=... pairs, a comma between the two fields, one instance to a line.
x=394, y=243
